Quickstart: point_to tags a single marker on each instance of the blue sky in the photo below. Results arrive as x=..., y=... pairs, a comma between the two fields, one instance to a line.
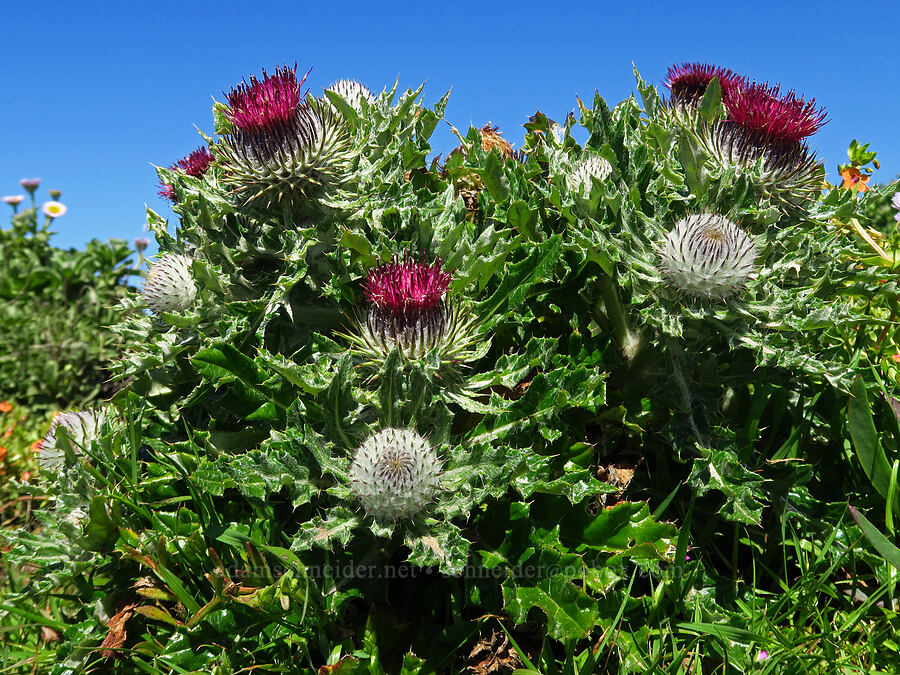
x=96, y=92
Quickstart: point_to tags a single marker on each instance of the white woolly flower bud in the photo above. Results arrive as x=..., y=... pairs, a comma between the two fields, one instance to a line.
x=707, y=255
x=353, y=92
x=170, y=286
x=81, y=427
x=596, y=167
x=395, y=473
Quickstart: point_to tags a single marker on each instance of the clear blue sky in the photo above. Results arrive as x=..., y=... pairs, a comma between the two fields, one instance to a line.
x=93, y=92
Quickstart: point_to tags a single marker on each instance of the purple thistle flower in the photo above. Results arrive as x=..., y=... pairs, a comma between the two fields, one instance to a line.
x=408, y=310
x=261, y=106
x=689, y=81
x=759, y=110
x=195, y=164
x=282, y=146
x=765, y=127
x=410, y=285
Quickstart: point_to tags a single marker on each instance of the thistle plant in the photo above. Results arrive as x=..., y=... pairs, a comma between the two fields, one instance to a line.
x=195, y=164
x=542, y=384
x=763, y=126
x=591, y=168
x=353, y=93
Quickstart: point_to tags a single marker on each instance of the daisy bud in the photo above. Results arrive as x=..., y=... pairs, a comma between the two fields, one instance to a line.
x=81, y=427
x=282, y=148
x=170, y=285
x=707, y=255
x=141, y=243
x=353, y=92
x=195, y=164
x=592, y=167
x=55, y=194
x=30, y=184
x=14, y=200
x=395, y=474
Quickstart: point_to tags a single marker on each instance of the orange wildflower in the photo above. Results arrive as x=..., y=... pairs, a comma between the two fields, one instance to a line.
x=854, y=179
x=25, y=475
x=5, y=406
x=37, y=445
x=2, y=453
x=896, y=358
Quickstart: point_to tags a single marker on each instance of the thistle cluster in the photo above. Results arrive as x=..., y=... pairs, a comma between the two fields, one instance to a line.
x=761, y=128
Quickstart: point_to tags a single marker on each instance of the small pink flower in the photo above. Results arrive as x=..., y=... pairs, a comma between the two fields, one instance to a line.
x=762, y=656
x=140, y=243
x=30, y=184
x=14, y=200
x=54, y=209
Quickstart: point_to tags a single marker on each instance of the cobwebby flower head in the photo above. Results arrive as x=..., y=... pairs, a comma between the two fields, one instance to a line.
x=353, y=92
x=395, y=474
x=54, y=209
x=81, y=427
x=282, y=147
x=592, y=167
x=14, y=200
x=707, y=255
x=688, y=82
x=170, y=286
x=195, y=164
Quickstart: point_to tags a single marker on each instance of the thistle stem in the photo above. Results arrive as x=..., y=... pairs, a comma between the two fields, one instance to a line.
x=628, y=341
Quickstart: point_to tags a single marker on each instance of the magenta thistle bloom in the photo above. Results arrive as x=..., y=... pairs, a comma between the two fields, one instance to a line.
x=195, y=164
x=261, y=106
x=759, y=110
x=766, y=128
x=688, y=81
x=408, y=310
x=406, y=286
x=282, y=146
